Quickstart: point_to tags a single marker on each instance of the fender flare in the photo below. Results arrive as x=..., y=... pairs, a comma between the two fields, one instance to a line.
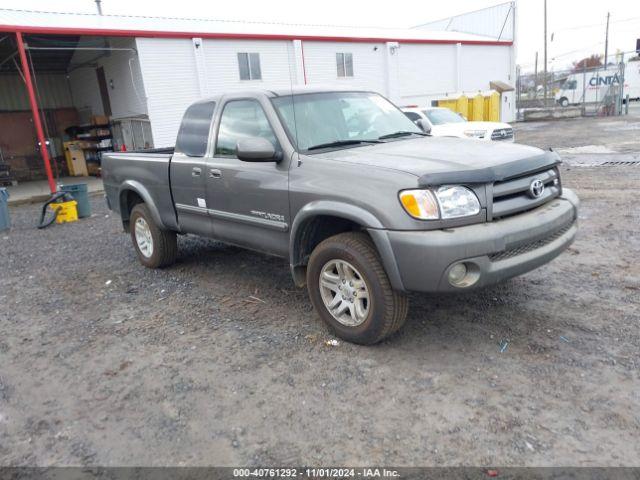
x=140, y=189
x=349, y=212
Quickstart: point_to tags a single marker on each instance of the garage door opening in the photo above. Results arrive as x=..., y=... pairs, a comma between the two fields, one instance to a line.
x=90, y=100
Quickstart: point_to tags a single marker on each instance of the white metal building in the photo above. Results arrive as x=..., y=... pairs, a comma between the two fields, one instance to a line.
x=151, y=68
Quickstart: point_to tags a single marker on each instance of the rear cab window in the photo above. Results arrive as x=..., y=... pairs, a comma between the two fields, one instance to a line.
x=193, y=136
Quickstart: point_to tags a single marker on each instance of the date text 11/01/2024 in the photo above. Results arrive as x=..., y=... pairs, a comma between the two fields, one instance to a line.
x=315, y=473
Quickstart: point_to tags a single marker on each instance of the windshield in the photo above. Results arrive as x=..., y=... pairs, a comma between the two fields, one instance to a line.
x=338, y=119
x=442, y=116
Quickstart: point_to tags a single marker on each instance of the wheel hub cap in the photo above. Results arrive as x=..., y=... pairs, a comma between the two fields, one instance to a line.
x=143, y=237
x=344, y=292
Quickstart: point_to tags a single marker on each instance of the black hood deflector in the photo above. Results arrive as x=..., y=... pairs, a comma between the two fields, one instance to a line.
x=495, y=173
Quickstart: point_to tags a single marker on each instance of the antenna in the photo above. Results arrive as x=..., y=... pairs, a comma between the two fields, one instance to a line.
x=99, y=6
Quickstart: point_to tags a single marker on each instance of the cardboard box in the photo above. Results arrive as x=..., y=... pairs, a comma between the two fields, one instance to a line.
x=99, y=120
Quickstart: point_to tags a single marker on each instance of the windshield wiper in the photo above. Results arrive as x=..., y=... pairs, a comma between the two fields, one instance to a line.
x=401, y=133
x=341, y=143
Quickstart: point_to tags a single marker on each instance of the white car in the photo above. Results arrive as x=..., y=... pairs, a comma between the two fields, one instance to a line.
x=442, y=122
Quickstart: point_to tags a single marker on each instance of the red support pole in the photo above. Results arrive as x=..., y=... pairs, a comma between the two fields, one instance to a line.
x=34, y=111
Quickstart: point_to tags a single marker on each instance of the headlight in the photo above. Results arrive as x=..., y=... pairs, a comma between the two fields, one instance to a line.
x=420, y=204
x=449, y=201
x=456, y=201
x=475, y=133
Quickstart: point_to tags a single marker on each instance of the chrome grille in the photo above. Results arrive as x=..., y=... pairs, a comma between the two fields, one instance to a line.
x=528, y=247
x=514, y=196
x=502, y=134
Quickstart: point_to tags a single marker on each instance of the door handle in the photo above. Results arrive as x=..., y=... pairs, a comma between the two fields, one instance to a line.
x=196, y=171
x=215, y=173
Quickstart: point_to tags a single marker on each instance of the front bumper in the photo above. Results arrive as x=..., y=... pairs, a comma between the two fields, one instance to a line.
x=494, y=251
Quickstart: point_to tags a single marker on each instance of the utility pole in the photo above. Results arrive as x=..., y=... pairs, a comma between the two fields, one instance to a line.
x=545, y=53
x=606, y=42
x=535, y=73
x=99, y=6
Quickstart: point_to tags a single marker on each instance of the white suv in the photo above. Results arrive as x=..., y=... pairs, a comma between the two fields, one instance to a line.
x=442, y=122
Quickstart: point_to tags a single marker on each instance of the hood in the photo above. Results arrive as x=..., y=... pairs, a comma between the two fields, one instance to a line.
x=445, y=159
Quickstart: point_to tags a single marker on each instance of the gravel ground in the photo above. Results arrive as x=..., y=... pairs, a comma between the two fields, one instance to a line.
x=220, y=360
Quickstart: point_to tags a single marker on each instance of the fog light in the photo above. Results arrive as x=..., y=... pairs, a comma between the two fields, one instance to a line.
x=457, y=273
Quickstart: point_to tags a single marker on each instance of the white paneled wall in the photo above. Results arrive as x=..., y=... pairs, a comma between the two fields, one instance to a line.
x=426, y=70
x=177, y=72
x=170, y=83
x=368, y=64
x=221, y=57
x=481, y=64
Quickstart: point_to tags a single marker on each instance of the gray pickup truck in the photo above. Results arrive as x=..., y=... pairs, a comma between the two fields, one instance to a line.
x=365, y=205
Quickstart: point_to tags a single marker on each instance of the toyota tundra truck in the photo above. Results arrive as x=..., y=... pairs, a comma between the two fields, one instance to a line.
x=364, y=204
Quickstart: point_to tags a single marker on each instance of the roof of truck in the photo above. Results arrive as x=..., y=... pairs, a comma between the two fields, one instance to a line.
x=283, y=92
x=302, y=89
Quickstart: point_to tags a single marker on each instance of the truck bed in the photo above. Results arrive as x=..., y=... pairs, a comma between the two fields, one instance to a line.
x=146, y=172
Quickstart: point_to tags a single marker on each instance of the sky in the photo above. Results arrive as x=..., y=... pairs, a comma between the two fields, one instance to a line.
x=577, y=26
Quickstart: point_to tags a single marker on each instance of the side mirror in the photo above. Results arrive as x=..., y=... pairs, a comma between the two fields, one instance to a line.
x=255, y=149
x=424, y=125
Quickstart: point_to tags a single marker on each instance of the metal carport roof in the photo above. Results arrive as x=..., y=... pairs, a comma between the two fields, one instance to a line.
x=31, y=21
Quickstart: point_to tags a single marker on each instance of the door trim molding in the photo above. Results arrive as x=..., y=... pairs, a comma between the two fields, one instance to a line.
x=235, y=217
x=191, y=209
x=256, y=221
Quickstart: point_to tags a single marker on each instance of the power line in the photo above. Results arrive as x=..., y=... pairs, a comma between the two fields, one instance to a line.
x=578, y=27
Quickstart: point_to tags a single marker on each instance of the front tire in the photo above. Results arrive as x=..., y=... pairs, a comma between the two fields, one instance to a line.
x=156, y=248
x=564, y=102
x=351, y=292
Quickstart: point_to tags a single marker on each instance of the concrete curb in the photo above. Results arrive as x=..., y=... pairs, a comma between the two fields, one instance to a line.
x=42, y=198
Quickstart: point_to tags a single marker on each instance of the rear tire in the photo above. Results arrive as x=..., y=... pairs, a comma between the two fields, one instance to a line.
x=156, y=248
x=351, y=292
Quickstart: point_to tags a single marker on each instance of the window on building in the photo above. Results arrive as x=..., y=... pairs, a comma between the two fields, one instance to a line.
x=249, y=65
x=344, y=62
x=242, y=119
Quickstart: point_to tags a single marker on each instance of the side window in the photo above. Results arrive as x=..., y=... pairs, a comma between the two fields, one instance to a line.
x=413, y=116
x=193, y=135
x=344, y=63
x=242, y=119
x=249, y=66
x=570, y=85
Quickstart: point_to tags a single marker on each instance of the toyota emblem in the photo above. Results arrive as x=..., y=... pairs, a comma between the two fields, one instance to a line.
x=536, y=189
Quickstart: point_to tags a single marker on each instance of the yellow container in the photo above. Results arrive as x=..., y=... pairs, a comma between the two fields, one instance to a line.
x=492, y=107
x=66, y=211
x=76, y=162
x=477, y=108
x=462, y=106
x=449, y=103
